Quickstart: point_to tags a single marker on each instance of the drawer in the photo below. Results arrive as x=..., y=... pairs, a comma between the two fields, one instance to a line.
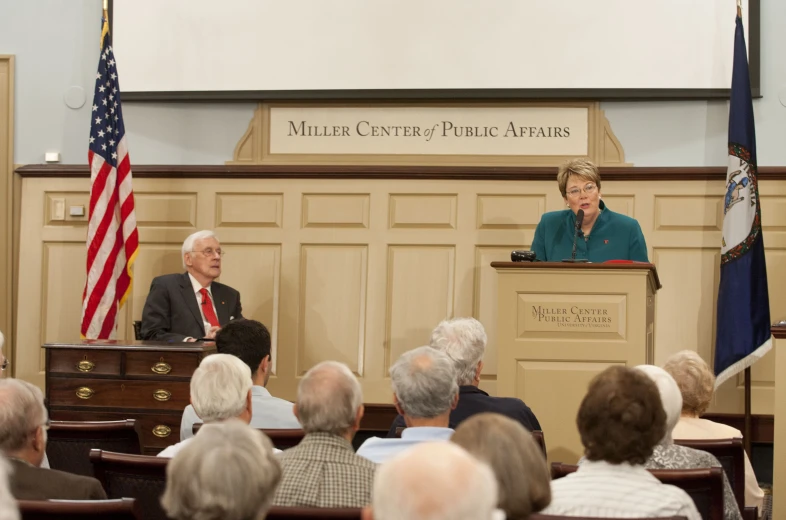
x=157, y=431
x=119, y=393
x=102, y=362
x=164, y=364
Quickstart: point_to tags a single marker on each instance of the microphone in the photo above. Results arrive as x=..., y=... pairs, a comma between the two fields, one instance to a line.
x=576, y=233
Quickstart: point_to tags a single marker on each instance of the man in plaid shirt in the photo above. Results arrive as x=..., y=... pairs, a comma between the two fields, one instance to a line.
x=323, y=470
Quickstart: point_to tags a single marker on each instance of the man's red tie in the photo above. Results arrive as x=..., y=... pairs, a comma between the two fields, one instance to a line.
x=207, y=308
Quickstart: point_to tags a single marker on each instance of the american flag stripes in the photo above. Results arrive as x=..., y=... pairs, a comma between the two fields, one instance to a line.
x=112, y=238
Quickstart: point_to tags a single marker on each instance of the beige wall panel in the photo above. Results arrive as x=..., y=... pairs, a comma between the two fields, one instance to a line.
x=335, y=210
x=432, y=210
x=62, y=295
x=624, y=204
x=542, y=378
x=510, y=211
x=249, y=210
x=166, y=210
x=420, y=294
x=688, y=213
x=332, y=305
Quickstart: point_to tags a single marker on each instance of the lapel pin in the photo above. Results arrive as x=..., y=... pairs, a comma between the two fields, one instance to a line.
x=222, y=303
x=605, y=242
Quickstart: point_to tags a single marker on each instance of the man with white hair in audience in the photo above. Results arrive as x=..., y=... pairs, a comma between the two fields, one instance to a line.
x=464, y=341
x=228, y=472
x=434, y=481
x=220, y=390
x=23, y=425
x=425, y=391
x=324, y=470
x=192, y=305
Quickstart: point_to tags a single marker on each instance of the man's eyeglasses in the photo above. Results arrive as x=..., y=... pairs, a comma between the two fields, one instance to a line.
x=589, y=189
x=211, y=252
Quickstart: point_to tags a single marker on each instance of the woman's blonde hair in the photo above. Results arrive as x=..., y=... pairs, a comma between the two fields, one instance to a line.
x=695, y=379
x=517, y=460
x=582, y=168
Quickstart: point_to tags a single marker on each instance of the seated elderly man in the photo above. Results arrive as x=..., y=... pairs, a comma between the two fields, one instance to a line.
x=23, y=425
x=620, y=421
x=464, y=341
x=434, y=481
x=424, y=393
x=249, y=340
x=220, y=390
x=323, y=470
x=697, y=385
x=668, y=455
x=228, y=472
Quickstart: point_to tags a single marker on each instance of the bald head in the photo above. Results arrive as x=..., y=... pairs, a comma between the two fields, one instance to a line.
x=434, y=481
x=329, y=400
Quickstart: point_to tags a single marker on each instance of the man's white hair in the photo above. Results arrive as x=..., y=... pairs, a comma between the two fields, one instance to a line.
x=227, y=472
x=670, y=397
x=464, y=341
x=8, y=507
x=219, y=387
x=188, y=243
x=21, y=412
x=328, y=398
x=434, y=481
x=424, y=381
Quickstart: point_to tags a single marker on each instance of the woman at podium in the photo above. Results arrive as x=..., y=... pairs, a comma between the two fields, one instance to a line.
x=587, y=230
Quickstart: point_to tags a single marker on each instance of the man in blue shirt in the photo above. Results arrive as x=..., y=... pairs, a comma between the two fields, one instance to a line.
x=425, y=391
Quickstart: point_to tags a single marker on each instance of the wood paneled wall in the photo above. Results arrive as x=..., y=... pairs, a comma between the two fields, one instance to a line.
x=360, y=269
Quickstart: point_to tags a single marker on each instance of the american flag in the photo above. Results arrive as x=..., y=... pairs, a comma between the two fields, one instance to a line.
x=112, y=238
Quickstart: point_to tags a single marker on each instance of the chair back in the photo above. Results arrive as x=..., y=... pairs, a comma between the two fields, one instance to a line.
x=138, y=330
x=136, y=476
x=541, y=440
x=538, y=516
x=70, y=442
x=281, y=438
x=705, y=486
x=314, y=513
x=731, y=454
x=122, y=509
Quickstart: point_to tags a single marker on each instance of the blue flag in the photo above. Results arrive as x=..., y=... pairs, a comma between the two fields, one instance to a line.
x=743, y=333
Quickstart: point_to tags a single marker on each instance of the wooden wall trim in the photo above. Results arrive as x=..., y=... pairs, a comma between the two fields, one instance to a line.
x=779, y=330
x=714, y=173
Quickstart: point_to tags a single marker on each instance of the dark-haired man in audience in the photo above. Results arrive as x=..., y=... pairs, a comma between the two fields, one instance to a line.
x=620, y=421
x=23, y=424
x=464, y=341
x=249, y=340
x=424, y=392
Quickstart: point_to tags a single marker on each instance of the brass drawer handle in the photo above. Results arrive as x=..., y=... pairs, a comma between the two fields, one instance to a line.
x=84, y=392
x=162, y=431
x=162, y=395
x=161, y=368
x=85, y=366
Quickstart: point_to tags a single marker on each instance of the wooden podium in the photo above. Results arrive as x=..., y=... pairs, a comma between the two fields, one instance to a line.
x=560, y=324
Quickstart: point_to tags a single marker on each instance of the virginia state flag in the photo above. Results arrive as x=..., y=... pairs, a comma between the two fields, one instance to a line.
x=743, y=334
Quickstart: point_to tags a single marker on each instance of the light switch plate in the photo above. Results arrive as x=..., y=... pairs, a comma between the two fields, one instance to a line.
x=58, y=209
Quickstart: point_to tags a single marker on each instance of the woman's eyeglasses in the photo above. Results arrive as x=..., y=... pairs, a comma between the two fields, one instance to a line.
x=589, y=189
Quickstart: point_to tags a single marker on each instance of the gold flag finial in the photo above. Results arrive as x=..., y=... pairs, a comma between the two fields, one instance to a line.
x=739, y=8
x=105, y=25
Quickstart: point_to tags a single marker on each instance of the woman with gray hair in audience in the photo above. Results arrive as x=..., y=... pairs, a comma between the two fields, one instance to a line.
x=227, y=472
x=668, y=455
x=697, y=385
x=514, y=456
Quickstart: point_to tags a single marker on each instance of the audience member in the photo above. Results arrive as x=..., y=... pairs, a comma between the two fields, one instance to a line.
x=464, y=341
x=433, y=481
x=620, y=421
x=424, y=393
x=23, y=425
x=8, y=507
x=228, y=472
x=3, y=359
x=249, y=340
x=518, y=463
x=324, y=470
x=220, y=390
x=697, y=385
x=668, y=455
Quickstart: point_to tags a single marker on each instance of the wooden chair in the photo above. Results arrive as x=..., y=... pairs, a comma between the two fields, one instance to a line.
x=122, y=509
x=135, y=476
x=138, y=330
x=705, y=486
x=281, y=439
x=70, y=442
x=731, y=454
x=313, y=513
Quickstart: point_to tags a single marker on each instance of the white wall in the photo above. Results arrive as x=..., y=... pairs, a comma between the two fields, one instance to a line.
x=56, y=46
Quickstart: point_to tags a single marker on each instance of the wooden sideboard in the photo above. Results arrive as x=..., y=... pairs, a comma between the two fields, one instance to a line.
x=105, y=380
